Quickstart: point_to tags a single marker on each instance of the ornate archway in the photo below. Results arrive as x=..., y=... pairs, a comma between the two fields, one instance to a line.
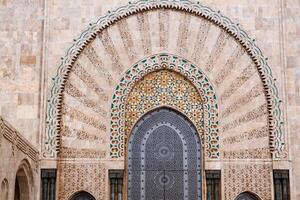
x=99, y=30
x=180, y=77
x=86, y=116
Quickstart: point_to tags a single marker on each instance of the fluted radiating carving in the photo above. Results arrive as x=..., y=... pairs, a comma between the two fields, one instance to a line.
x=216, y=45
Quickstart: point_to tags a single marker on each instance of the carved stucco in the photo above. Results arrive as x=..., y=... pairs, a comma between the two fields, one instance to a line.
x=54, y=114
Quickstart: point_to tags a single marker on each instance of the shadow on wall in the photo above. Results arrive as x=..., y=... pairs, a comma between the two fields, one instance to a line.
x=247, y=196
x=82, y=195
x=4, y=189
x=24, y=182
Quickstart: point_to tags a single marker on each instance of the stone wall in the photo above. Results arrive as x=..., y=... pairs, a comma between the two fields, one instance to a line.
x=290, y=28
x=35, y=34
x=17, y=152
x=21, y=47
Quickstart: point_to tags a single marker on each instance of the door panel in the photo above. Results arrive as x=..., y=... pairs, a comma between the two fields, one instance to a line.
x=164, y=158
x=153, y=187
x=174, y=187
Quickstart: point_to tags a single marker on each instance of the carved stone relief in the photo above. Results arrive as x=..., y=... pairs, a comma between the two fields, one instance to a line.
x=210, y=20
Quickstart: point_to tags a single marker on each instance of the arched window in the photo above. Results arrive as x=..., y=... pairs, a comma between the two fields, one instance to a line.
x=24, y=189
x=247, y=196
x=164, y=158
x=21, y=186
x=82, y=196
x=4, y=190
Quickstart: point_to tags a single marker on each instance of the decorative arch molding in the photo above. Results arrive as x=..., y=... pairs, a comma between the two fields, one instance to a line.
x=82, y=195
x=187, y=70
x=247, y=196
x=54, y=113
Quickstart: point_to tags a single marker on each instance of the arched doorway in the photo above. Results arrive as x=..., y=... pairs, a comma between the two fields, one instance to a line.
x=24, y=189
x=247, y=196
x=164, y=158
x=82, y=196
x=21, y=186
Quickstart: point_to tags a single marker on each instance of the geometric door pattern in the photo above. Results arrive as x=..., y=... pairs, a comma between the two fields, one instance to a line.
x=164, y=158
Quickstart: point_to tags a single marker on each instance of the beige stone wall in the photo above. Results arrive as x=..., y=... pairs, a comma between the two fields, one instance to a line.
x=65, y=22
x=35, y=34
x=291, y=66
x=21, y=46
x=17, y=153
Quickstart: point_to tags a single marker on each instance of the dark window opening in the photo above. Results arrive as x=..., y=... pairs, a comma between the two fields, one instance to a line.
x=116, y=184
x=281, y=184
x=48, y=177
x=82, y=196
x=17, y=190
x=247, y=196
x=213, y=184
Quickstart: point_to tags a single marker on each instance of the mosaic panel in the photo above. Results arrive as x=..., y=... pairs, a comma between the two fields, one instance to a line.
x=181, y=66
x=164, y=88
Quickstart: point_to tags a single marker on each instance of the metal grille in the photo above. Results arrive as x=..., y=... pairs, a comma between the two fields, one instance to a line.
x=164, y=158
